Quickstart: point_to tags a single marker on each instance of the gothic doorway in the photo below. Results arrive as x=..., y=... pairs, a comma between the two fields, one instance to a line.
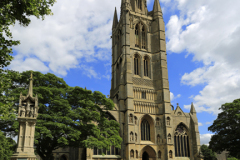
x=148, y=153
x=145, y=156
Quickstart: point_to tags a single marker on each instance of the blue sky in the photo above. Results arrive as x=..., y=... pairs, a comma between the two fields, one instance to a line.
x=202, y=46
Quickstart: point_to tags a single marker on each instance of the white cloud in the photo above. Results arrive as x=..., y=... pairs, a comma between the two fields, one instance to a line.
x=200, y=124
x=90, y=72
x=205, y=138
x=208, y=30
x=172, y=97
x=208, y=122
x=77, y=33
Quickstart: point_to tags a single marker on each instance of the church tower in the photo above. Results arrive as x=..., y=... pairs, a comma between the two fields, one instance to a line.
x=150, y=127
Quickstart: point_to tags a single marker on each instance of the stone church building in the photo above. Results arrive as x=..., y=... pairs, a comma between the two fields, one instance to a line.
x=151, y=128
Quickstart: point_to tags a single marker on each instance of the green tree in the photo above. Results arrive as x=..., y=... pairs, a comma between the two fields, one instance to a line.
x=12, y=11
x=6, y=148
x=227, y=129
x=68, y=116
x=207, y=153
x=232, y=158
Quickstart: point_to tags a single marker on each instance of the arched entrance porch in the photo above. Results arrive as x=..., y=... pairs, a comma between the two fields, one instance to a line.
x=148, y=153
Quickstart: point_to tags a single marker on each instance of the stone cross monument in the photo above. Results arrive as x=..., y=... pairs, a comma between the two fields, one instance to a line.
x=27, y=117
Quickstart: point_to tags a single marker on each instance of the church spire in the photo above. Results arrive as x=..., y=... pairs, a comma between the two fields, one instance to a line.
x=156, y=8
x=115, y=19
x=193, y=111
x=30, y=89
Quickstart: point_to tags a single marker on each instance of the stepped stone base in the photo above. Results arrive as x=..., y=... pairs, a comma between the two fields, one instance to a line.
x=23, y=156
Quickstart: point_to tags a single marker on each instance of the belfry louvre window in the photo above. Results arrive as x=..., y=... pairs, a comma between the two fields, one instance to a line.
x=143, y=38
x=136, y=65
x=145, y=130
x=181, y=142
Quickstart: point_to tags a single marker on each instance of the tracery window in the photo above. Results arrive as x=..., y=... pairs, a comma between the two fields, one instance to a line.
x=145, y=130
x=146, y=66
x=140, y=35
x=135, y=137
x=181, y=141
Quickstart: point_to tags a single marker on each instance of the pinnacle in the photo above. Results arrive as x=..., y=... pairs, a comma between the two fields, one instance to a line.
x=192, y=109
x=115, y=19
x=156, y=6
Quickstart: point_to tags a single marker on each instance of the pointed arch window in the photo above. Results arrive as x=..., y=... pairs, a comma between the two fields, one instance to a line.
x=140, y=35
x=136, y=65
x=146, y=66
x=145, y=130
x=143, y=37
x=181, y=142
x=137, y=43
